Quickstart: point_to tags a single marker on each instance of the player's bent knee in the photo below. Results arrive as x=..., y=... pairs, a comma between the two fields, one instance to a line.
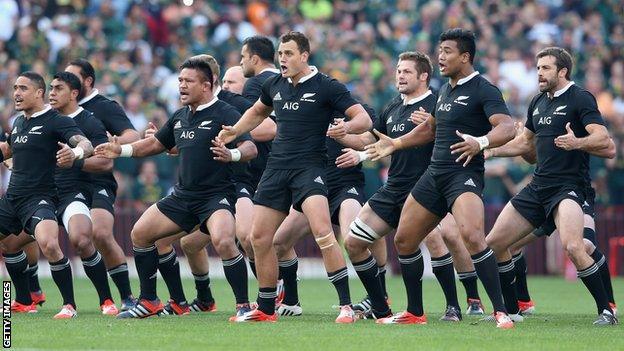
x=326, y=241
x=355, y=246
x=589, y=246
x=361, y=231
x=403, y=244
x=574, y=249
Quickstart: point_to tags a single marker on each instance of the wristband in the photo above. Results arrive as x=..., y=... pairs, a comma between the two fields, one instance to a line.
x=78, y=152
x=78, y=164
x=362, y=156
x=126, y=150
x=236, y=154
x=483, y=142
x=398, y=143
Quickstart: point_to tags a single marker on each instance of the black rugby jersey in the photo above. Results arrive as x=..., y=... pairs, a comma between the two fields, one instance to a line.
x=67, y=178
x=343, y=177
x=302, y=114
x=407, y=165
x=199, y=174
x=251, y=92
x=467, y=108
x=112, y=115
x=547, y=118
x=34, y=143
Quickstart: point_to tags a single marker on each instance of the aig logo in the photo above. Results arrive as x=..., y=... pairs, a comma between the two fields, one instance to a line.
x=188, y=134
x=21, y=139
x=398, y=127
x=544, y=120
x=444, y=107
x=291, y=106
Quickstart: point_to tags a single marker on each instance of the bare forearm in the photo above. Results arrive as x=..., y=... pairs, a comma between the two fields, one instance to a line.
x=128, y=136
x=503, y=133
x=360, y=123
x=594, y=142
x=421, y=135
x=265, y=131
x=97, y=165
x=249, y=121
x=6, y=150
x=147, y=147
x=85, y=144
x=248, y=151
x=357, y=141
x=608, y=152
x=516, y=147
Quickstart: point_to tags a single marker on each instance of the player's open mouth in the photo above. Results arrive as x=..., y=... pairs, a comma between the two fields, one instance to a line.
x=442, y=67
x=283, y=68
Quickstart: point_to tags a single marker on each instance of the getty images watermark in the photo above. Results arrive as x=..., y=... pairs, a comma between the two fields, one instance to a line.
x=6, y=314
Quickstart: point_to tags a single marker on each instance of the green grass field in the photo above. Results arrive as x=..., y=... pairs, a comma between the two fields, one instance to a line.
x=563, y=322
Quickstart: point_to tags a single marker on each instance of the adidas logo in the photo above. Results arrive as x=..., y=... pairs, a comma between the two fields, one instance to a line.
x=203, y=125
x=585, y=203
x=224, y=201
x=389, y=120
x=80, y=196
x=244, y=191
x=43, y=202
x=352, y=191
x=103, y=192
x=536, y=111
x=470, y=182
x=319, y=180
x=177, y=125
x=572, y=193
x=277, y=97
x=14, y=130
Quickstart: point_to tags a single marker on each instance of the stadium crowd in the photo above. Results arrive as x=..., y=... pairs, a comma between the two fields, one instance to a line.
x=137, y=45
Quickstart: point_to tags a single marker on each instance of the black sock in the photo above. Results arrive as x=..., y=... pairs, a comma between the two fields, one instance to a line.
x=592, y=280
x=288, y=271
x=487, y=271
x=146, y=261
x=266, y=300
x=121, y=278
x=507, y=275
x=382, y=279
x=16, y=265
x=202, y=285
x=522, y=289
x=603, y=268
x=169, y=269
x=412, y=268
x=62, y=275
x=469, y=280
x=443, y=269
x=368, y=272
x=96, y=271
x=235, y=271
x=252, y=266
x=33, y=277
x=340, y=279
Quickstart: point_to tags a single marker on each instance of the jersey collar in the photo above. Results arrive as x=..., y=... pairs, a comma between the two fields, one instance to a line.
x=205, y=106
x=562, y=90
x=304, y=78
x=217, y=91
x=416, y=99
x=46, y=108
x=269, y=69
x=466, y=79
x=76, y=113
x=87, y=98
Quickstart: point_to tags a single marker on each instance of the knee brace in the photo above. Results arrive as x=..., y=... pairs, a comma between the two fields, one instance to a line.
x=362, y=231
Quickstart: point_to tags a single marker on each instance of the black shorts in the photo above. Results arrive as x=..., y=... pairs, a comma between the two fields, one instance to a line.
x=104, y=198
x=387, y=203
x=244, y=190
x=537, y=203
x=437, y=193
x=25, y=212
x=549, y=227
x=187, y=213
x=337, y=195
x=81, y=194
x=280, y=188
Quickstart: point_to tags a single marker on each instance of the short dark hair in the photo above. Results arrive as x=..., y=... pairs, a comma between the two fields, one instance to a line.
x=303, y=44
x=198, y=63
x=35, y=78
x=86, y=69
x=464, y=38
x=563, y=59
x=211, y=61
x=72, y=81
x=422, y=62
x=261, y=46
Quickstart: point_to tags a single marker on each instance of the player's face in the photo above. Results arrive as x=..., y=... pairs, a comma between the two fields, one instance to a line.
x=60, y=94
x=449, y=58
x=233, y=80
x=192, y=86
x=25, y=94
x=77, y=72
x=291, y=60
x=406, y=77
x=246, y=63
x=547, y=75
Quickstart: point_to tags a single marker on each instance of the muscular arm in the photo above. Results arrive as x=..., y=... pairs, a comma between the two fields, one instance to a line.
x=252, y=118
x=248, y=150
x=82, y=142
x=6, y=150
x=128, y=136
x=357, y=141
x=503, y=130
x=523, y=144
x=147, y=147
x=598, y=139
x=608, y=152
x=265, y=131
x=97, y=165
x=359, y=120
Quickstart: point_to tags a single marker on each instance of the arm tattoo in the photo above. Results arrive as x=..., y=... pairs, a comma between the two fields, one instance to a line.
x=73, y=141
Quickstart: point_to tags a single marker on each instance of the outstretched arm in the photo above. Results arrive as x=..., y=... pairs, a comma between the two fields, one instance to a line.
x=141, y=148
x=250, y=120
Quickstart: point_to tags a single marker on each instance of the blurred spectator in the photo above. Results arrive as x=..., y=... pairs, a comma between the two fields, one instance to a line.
x=147, y=188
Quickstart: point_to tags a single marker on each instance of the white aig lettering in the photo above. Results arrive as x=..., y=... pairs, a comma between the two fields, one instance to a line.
x=21, y=139
x=291, y=106
x=444, y=107
x=188, y=134
x=544, y=120
x=398, y=127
